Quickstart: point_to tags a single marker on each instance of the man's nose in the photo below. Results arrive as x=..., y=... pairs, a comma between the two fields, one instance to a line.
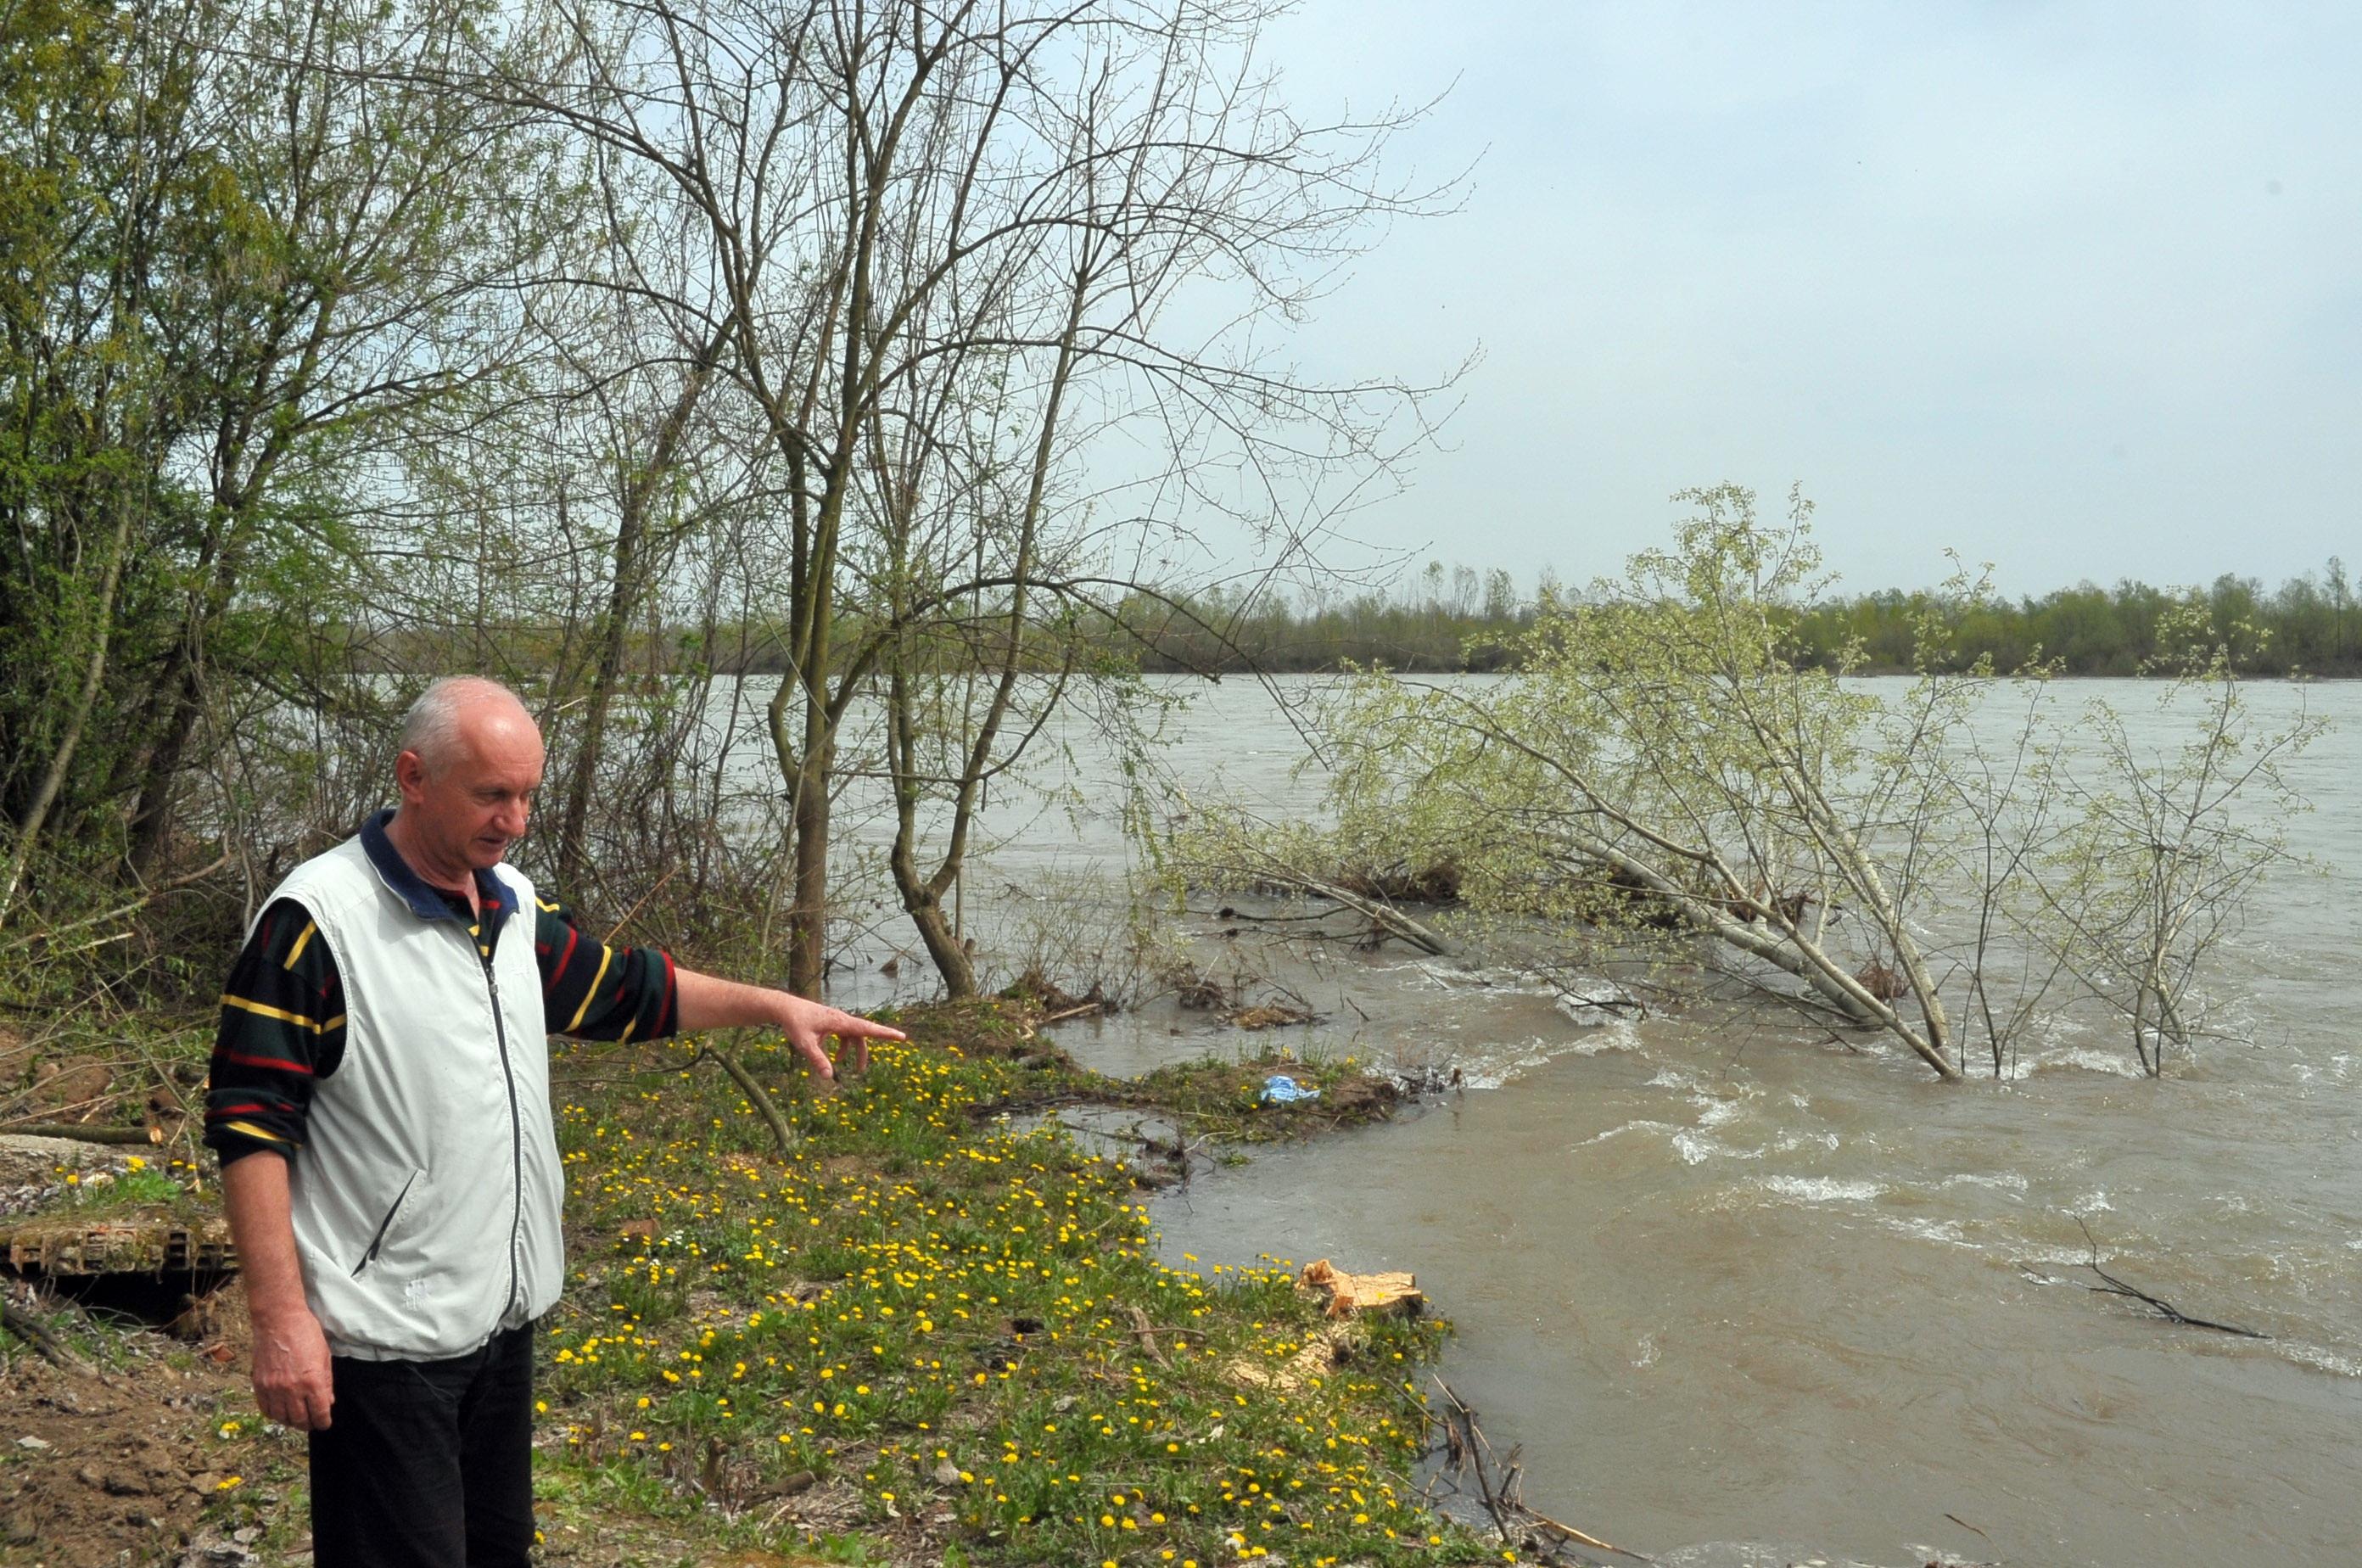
x=513, y=817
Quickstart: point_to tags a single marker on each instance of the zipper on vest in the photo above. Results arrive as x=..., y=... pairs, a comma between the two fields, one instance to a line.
x=384, y=1225
x=516, y=1134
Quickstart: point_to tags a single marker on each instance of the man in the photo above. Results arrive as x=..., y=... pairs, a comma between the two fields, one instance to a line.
x=379, y=1102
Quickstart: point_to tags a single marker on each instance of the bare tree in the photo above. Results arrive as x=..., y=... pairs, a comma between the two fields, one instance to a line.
x=1160, y=160
x=877, y=201
x=2155, y=869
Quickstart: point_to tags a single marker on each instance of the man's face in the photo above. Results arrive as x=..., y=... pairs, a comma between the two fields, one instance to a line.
x=476, y=805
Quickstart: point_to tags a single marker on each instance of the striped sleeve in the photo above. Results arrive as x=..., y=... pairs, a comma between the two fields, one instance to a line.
x=592, y=991
x=283, y=1029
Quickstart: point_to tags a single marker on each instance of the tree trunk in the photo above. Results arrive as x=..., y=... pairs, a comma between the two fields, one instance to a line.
x=808, y=918
x=640, y=491
x=1792, y=952
x=923, y=900
x=45, y=795
x=944, y=949
x=920, y=900
x=151, y=814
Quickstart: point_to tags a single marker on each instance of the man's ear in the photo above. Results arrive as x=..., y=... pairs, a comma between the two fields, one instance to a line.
x=409, y=775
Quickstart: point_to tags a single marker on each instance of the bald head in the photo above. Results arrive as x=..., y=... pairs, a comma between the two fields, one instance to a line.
x=471, y=761
x=452, y=716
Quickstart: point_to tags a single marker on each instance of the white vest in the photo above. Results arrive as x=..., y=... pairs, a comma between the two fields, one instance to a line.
x=427, y=1192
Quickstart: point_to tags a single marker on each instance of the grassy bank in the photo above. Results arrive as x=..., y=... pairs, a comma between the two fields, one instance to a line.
x=926, y=1334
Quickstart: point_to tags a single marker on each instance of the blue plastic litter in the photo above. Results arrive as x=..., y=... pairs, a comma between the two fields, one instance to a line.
x=1281, y=1089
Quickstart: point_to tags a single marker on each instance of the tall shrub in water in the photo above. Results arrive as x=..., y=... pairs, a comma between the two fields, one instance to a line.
x=1668, y=781
x=1661, y=765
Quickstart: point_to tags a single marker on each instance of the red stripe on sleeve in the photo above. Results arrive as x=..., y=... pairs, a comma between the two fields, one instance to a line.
x=549, y=987
x=272, y=1061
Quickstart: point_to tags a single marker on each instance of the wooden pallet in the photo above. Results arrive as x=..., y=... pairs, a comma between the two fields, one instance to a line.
x=117, y=1246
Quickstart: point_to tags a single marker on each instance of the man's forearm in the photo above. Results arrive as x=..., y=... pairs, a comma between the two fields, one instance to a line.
x=294, y=1379
x=255, y=1192
x=709, y=1001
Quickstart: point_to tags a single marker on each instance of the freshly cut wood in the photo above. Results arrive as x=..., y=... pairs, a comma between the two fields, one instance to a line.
x=81, y=1134
x=1316, y=1360
x=1352, y=1293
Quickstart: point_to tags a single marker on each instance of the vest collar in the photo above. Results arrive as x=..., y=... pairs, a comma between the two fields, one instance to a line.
x=424, y=900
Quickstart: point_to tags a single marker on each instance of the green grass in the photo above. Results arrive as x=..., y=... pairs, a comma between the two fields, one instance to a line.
x=957, y=1331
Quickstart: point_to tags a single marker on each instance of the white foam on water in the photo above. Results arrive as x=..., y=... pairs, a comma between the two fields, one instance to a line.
x=1627, y=1127
x=1647, y=1349
x=1720, y=1113
x=1510, y=1061
x=1695, y=1148
x=2064, y=1257
x=2075, y=1059
x=2322, y=1360
x=1618, y=1035
x=1588, y=1004
x=2093, y=1202
x=1502, y=977
x=1790, y=1142
x=1822, y=1189
x=1945, y=1232
x=2004, y=1181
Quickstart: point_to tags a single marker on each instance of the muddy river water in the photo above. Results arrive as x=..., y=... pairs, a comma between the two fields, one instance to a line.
x=1743, y=1297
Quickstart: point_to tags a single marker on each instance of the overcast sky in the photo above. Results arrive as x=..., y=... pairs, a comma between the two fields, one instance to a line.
x=2075, y=288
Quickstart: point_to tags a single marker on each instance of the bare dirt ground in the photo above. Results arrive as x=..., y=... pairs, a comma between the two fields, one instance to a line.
x=140, y=1456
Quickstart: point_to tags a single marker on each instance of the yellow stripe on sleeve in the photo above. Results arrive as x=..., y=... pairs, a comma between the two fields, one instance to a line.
x=606, y=957
x=298, y=1020
x=297, y=951
x=251, y=1131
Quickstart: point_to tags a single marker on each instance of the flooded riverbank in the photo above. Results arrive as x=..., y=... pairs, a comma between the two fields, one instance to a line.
x=1729, y=1285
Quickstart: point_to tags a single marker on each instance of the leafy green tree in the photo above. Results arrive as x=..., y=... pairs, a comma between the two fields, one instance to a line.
x=2157, y=855
x=251, y=255
x=106, y=209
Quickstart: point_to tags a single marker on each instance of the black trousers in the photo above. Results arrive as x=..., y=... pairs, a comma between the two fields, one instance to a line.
x=427, y=1464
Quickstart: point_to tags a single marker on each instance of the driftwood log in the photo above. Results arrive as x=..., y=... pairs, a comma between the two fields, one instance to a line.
x=146, y=1136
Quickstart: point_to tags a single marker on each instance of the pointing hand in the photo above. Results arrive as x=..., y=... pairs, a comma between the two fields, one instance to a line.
x=810, y=1023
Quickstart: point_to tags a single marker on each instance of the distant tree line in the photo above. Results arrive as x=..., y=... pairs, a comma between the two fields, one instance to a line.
x=1457, y=619
x=2309, y=626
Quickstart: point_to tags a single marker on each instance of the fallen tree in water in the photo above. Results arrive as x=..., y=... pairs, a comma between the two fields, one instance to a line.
x=1666, y=782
